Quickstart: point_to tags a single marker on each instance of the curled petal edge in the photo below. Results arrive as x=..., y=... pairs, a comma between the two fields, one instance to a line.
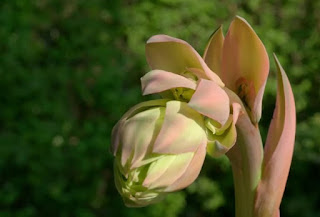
x=224, y=142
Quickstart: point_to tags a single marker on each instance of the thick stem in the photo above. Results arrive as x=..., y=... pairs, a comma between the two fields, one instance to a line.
x=246, y=160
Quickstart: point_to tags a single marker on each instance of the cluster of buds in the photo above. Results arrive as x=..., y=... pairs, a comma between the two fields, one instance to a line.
x=160, y=145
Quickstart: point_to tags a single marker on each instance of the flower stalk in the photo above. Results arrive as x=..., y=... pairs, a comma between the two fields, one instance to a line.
x=246, y=161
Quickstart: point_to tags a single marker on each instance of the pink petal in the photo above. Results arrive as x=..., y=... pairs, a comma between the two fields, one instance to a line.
x=245, y=65
x=278, y=149
x=157, y=81
x=175, y=55
x=192, y=171
x=182, y=130
x=211, y=101
x=213, y=52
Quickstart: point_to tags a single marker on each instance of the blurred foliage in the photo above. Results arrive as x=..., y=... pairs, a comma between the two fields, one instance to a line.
x=70, y=69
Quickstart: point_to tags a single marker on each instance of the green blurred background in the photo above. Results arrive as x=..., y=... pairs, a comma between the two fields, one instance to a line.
x=70, y=68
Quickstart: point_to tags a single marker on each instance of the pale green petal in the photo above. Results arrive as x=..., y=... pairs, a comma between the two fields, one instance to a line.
x=158, y=168
x=116, y=131
x=167, y=170
x=139, y=132
x=192, y=171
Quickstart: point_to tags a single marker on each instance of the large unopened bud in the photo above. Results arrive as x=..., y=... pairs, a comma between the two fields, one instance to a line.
x=160, y=147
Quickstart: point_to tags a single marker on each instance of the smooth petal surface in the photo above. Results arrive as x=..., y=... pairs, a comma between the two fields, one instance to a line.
x=157, y=81
x=213, y=52
x=278, y=149
x=118, y=129
x=211, y=101
x=138, y=133
x=192, y=171
x=182, y=130
x=219, y=144
x=245, y=65
x=175, y=55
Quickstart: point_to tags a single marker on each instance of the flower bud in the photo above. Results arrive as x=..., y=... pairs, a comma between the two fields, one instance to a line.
x=159, y=147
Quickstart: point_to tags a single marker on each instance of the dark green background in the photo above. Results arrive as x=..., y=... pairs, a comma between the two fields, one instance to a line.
x=70, y=68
